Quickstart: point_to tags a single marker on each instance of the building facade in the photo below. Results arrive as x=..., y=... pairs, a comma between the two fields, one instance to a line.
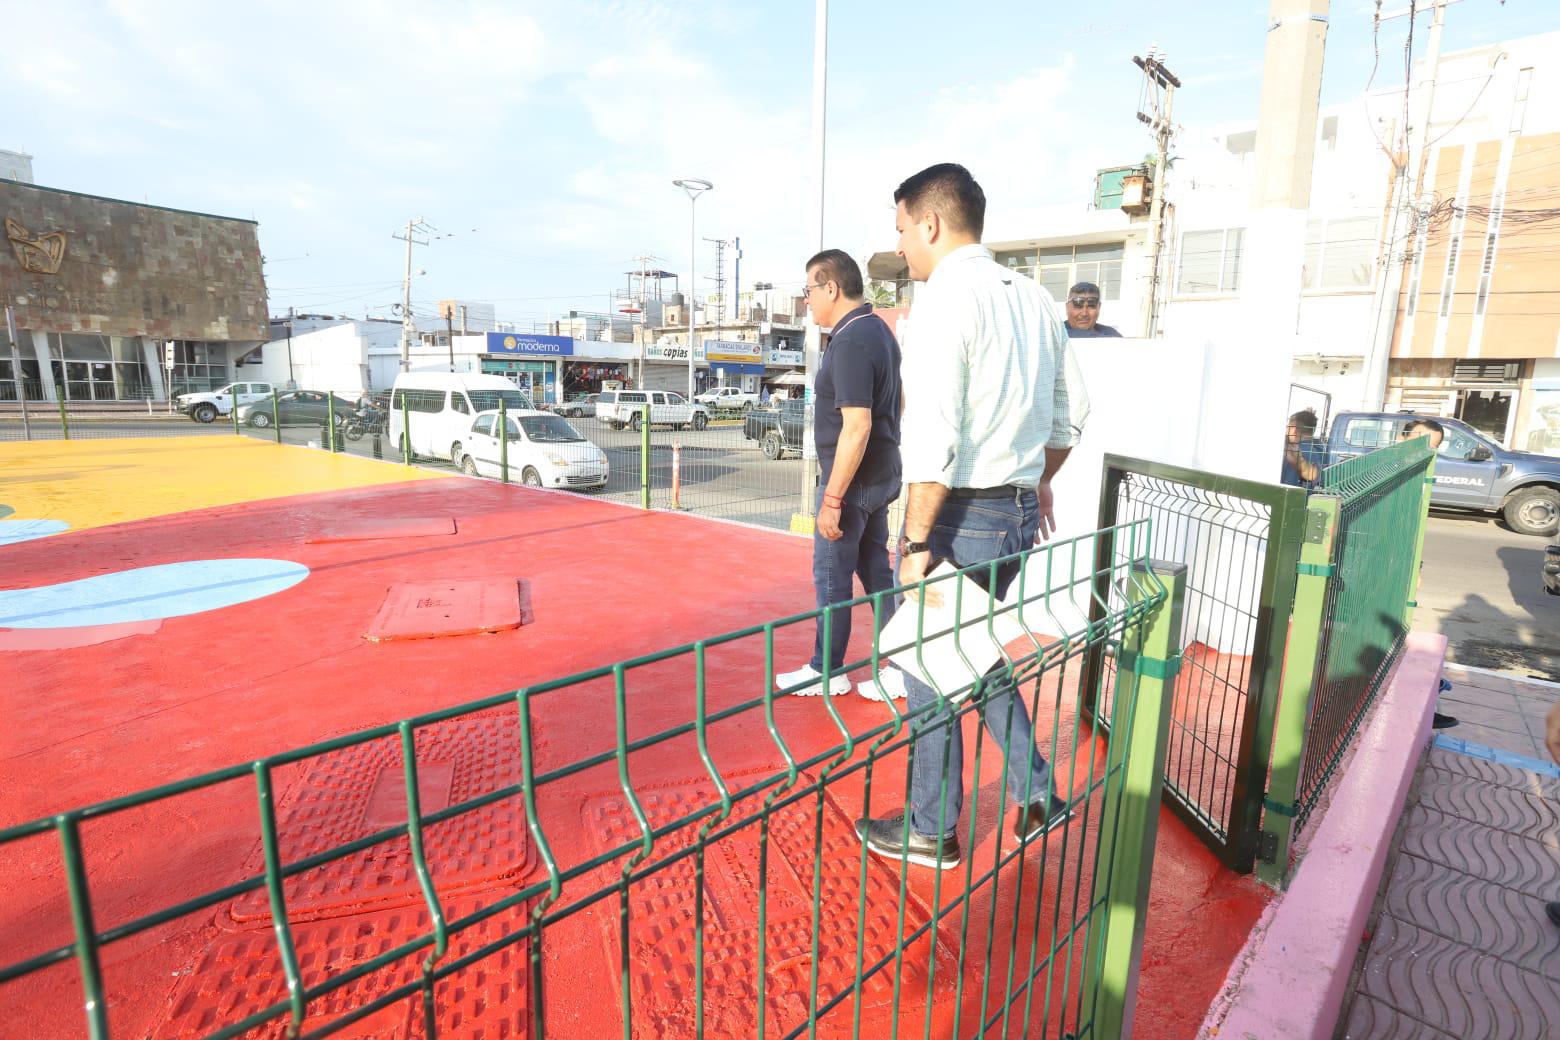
x=115, y=301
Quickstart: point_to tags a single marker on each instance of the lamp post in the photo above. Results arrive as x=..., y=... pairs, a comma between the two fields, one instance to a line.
x=694, y=187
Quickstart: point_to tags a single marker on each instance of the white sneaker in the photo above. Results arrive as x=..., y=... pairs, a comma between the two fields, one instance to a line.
x=893, y=681
x=838, y=682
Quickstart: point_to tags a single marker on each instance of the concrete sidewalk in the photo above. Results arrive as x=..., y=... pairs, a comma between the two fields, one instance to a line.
x=1460, y=945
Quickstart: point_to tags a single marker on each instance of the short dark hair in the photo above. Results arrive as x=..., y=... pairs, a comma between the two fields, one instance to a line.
x=1084, y=287
x=836, y=266
x=1429, y=424
x=948, y=189
x=1305, y=421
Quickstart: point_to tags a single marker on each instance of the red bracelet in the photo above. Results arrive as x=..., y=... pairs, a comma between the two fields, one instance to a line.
x=832, y=500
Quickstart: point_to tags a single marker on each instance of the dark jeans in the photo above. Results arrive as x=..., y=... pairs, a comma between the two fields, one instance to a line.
x=971, y=531
x=861, y=549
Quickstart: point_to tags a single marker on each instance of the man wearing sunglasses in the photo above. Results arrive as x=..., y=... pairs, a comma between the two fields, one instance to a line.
x=1083, y=313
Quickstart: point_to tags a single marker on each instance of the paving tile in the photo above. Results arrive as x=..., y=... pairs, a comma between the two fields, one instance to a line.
x=1454, y=988
x=1502, y=808
x=1494, y=773
x=1499, y=858
x=1516, y=743
x=1461, y=695
x=1496, y=921
x=1370, y=1019
x=1507, y=720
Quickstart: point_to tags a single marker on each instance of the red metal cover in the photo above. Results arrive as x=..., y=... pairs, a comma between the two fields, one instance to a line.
x=456, y=607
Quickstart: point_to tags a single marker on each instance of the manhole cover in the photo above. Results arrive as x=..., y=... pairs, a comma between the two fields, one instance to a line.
x=457, y=607
x=357, y=791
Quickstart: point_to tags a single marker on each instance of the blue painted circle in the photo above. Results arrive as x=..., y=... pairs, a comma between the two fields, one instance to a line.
x=13, y=531
x=148, y=593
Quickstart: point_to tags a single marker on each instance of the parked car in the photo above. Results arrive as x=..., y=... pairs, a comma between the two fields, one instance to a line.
x=545, y=450
x=205, y=407
x=579, y=408
x=295, y=408
x=1471, y=471
x=620, y=408
x=778, y=430
x=439, y=407
x=727, y=399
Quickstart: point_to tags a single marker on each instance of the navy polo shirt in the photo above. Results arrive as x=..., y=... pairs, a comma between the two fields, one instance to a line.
x=860, y=369
x=1097, y=332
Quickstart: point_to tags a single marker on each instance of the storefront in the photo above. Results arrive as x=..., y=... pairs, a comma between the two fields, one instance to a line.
x=116, y=301
x=586, y=377
x=732, y=363
x=534, y=363
x=784, y=374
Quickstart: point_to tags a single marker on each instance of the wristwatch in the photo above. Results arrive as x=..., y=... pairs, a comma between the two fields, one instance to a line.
x=909, y=548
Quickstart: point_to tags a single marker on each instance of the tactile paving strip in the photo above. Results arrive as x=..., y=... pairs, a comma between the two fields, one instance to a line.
x=241, y=975
x=357, y=791
x=661, y=938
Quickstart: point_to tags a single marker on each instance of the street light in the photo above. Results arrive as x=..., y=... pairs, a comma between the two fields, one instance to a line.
x=694, y=187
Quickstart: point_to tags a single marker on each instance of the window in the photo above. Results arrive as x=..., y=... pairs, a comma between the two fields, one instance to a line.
x=1370, y=434
x=483, y=425
x=1210, y=262
x=1418, y=248
x=1458, y=445
x=632, y=398
x=459, y=403
x=487, y=400
x=1059, y=268
x=419, y=400
x=1340, y=254
x=1497, y=209
x=550, y=429
x=1452, y=249
x=607, y=397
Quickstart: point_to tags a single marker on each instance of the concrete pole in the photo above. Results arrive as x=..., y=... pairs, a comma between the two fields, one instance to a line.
x=1407, y=190
x=813, y=338
x=1156, y=208
x=1273, y=245
x=693, y=280
x=406, y=303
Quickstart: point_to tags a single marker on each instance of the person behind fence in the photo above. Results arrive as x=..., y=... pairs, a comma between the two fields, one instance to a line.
x=856, y=402
x=987, y=426
x=1303, y=454
x=1424, y=428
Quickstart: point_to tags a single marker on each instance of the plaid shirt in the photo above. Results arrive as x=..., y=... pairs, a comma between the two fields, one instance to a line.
x=985, y=377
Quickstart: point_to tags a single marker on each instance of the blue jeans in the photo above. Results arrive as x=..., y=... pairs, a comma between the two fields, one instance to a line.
x=971, y=531
x=861, y=549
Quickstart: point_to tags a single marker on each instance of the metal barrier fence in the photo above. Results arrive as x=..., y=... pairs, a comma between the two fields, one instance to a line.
x=1239, y=540
x=732, y=900
x=1359, y=572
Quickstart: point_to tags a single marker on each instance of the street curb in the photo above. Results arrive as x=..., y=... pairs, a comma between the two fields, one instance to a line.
x=1292, y=977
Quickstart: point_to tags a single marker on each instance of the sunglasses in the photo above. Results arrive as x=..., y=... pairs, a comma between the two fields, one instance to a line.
x=1085, y=301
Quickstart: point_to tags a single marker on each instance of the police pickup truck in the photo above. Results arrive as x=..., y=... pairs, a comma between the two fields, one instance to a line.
x=1471, y=471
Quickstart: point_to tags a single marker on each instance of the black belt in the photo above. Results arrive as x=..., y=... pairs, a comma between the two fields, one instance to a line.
x=1001, y=491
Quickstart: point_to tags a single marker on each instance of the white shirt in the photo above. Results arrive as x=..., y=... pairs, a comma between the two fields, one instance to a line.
x=985, y=376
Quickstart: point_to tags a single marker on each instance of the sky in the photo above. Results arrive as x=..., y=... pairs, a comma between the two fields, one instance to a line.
x=541, y=139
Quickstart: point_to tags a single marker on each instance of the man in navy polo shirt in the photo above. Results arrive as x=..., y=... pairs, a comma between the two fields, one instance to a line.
x=856, y=404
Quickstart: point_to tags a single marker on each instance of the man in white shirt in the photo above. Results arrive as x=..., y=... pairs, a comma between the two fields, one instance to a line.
x=987, y=424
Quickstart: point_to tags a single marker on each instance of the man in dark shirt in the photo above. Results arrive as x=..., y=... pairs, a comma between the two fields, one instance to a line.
x=856, y=404
x=1083, y=313
x=1303, y=456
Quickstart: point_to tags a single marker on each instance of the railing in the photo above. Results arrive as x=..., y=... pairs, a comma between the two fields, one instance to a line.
x=1359, y=571
x=1239, y=540
x=715, y=863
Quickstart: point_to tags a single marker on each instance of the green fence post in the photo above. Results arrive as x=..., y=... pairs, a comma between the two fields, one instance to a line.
x=503, y=440
x=644, y=460
x=276, y=414
x=1148, y=662
x=1294, y=697
x=64, y=419
x=1419, y=545
x=330, y=420
x=406, y=431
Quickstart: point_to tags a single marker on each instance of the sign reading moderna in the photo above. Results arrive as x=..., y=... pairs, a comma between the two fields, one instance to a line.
x=529, y=345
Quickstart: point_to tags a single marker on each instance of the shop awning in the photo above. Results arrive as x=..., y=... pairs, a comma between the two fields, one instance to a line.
x=789, y=379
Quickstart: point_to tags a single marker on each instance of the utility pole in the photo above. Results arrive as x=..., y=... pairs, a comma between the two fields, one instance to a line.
x=1273, y=244
x=1409, y=164
x=718, y=312
x=413, y=227
x=693, y=187
x=1159, y=86
x=449, y=332
x=802, y=519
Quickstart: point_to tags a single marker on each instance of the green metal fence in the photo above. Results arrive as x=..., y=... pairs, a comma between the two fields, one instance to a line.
x=1239, y=540
x=726, y=888
x=1354, y=601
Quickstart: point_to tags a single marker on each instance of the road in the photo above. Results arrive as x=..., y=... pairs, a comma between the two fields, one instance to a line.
x=1481, y=588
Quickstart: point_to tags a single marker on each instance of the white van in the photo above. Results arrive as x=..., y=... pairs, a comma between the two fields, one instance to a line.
x=440, y=406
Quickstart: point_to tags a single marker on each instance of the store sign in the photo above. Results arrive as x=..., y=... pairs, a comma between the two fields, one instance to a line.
x=776, y=356
x=671, y=352
x=530, y=345
x=732, y=350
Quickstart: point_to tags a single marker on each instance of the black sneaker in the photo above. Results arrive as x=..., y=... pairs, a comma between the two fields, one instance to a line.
x=1034, y=820
x=1442, y=721
x=886, y=837
x=1553, y=910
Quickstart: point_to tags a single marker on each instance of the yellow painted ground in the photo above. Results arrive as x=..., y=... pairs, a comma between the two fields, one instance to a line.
x=91, y=483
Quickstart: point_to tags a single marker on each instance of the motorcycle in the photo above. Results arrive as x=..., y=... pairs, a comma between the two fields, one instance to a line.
x=364, y=420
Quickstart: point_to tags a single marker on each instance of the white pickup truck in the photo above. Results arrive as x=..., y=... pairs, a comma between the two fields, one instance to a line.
x=727, y=399
x=620, y=408
x=205, y=407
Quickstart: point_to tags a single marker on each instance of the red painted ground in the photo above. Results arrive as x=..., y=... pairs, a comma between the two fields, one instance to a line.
x=94, y=721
